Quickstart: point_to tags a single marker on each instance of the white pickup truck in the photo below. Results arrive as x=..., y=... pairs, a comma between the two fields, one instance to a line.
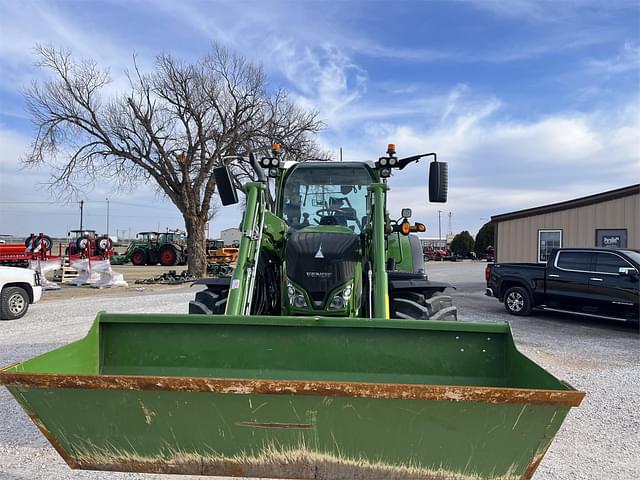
x=18, y=288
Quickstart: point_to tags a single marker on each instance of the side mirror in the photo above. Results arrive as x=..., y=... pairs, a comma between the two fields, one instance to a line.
x=226, y=188
x=626, y=271
x=438, y=181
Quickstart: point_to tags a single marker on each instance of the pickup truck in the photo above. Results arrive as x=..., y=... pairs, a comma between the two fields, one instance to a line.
x=596, y=282
x=19, y=287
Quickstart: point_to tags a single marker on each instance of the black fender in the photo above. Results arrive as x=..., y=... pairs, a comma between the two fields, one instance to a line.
x=213, y=282
x=414, y=282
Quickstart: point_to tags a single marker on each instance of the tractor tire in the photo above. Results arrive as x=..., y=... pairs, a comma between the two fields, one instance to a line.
x=139, y=257
x=209, y=302
x=517, y=301
x=35, y=244
x=168, y=256
x=104, y=244
x=415, y=306
x=82, y=243
x=14, y=303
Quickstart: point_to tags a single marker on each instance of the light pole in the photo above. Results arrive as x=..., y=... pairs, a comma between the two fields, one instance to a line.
x=107, y=217
x=439, y=226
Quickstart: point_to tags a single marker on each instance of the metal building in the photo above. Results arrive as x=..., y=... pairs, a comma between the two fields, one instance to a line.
x=609, y=219
x=231, y=236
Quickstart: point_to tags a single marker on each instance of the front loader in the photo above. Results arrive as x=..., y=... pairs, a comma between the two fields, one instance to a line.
x=327, y=355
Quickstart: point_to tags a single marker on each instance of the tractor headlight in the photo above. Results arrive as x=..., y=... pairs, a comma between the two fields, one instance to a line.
x=275, y=162
x=273, y=172
x=382, y=161
x=296, y=297
x=265, y=162
x=385, y=172
x=393, y=161
x=341, y=299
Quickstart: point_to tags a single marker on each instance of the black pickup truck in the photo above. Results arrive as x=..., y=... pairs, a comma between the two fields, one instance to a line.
x=589, y=281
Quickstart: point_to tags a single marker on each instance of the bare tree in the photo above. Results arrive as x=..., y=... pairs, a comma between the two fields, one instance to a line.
x=173, y=126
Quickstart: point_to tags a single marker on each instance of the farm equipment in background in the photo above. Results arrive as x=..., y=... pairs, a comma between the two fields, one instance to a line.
x=87, y=244
x=221, y=259
x=34, y=247
x=150, y=248
x=318, y=359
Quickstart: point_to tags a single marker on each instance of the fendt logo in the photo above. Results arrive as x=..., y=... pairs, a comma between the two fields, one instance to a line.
x=319, y=274
x=319, y=253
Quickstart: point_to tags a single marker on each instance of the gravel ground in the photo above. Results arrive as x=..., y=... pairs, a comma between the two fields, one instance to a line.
x=599, y=440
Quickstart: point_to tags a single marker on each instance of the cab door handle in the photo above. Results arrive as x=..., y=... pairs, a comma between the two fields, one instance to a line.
x=553, y=275
x=596, y=279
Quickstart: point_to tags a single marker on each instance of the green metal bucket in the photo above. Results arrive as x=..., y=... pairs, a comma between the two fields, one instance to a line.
x=294, y=398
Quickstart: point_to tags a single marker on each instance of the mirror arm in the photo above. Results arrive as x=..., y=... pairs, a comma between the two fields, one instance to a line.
x=257, y=168
x=406, y=161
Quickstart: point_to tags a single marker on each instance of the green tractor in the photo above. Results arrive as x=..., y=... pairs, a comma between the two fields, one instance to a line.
x=150, y=248
x=327, y=246
x=317, y=359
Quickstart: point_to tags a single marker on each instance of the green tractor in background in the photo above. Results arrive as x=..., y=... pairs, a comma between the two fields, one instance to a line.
x=327, y=246
x=150, y=248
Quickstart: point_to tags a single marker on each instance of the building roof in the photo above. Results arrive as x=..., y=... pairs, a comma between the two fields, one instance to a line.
x=566, y=205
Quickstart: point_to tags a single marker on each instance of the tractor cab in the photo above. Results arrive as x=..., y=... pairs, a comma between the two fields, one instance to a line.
x=326, y=194
x=147, y=237
x=325, y=205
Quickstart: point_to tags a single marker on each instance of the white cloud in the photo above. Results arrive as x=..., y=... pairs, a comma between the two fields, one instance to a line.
x=627, y=60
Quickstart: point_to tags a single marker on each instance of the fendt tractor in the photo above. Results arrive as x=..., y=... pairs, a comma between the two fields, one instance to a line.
x=328, y=354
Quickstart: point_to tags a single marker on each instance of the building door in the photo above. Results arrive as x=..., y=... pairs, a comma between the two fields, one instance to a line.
x=614, y=294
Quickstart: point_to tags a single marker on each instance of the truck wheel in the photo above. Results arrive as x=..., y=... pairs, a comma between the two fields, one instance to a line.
x=209, y=302
x=139, y=257
x=415, y=306
x=168, y=256
x=14, y=303
x=517, y=301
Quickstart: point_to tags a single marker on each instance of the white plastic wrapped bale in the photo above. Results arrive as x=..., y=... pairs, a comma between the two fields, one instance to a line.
x=108, y=278
x=43, y=267
x=87, y=275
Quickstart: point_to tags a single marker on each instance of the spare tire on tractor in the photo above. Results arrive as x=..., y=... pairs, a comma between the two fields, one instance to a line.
x=168, y=256
x=139, y=257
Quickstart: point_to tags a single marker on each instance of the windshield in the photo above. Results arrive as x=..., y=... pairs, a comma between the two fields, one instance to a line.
x=635, y=256
x=326, y=195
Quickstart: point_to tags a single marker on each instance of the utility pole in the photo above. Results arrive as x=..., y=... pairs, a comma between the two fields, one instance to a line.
x=108, y=218
x=439, y=225
x=81, y=212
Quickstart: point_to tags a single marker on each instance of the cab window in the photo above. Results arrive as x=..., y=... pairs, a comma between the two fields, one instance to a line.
x=574, y=261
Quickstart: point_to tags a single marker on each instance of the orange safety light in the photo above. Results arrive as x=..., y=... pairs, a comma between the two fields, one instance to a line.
x=420, y=227
x=405, y=228
x=275, y=147
x=391, y=148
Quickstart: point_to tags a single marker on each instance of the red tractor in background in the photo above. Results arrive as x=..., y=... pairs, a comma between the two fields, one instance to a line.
x=86, y=243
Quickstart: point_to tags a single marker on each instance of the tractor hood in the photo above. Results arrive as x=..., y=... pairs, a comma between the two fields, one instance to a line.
x=320, y=259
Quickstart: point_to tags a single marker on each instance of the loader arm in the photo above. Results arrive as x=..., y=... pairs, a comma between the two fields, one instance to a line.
x=244, y=275
x=378, y=256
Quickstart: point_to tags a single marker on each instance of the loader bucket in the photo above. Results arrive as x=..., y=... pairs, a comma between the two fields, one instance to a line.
x=289, y=397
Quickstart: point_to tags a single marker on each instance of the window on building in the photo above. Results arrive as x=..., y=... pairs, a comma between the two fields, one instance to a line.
x=574, y=261
x=609, y=263
x=547, y=241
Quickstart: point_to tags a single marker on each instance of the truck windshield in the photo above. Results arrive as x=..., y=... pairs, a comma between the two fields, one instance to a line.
x=331, y=194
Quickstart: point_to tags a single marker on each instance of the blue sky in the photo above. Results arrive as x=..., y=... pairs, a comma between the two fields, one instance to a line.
x=530, y=101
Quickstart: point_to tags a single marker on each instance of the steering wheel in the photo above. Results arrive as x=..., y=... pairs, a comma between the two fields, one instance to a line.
x=329, y=214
